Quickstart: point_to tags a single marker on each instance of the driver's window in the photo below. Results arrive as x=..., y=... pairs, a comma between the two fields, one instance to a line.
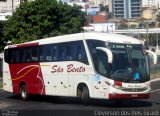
x=120, y=61
x=100, y=60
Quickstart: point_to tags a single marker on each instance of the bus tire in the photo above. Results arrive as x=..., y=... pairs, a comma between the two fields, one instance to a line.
x=85, y=95
x=23, y=92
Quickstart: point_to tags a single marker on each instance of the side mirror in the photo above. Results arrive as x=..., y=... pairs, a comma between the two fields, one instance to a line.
x=153, y=55
x=108, y=52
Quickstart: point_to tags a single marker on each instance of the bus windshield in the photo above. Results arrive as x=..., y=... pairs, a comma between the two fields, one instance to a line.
x=129, y=64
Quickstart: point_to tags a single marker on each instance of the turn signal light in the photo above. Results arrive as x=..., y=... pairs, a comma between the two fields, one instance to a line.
x=118, y=83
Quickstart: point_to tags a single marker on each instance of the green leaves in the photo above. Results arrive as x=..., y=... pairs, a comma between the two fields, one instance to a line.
x=158, y=19
x=43, y=18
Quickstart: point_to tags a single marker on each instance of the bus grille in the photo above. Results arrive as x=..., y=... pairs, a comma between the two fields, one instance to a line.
x=134, y=89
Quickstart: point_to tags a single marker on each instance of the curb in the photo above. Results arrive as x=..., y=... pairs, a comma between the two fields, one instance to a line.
x=158, y=79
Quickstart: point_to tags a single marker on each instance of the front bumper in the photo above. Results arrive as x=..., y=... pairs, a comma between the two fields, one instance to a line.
x=129, y=96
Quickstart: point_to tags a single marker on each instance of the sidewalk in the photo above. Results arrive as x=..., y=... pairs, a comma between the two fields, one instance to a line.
x=155, y=75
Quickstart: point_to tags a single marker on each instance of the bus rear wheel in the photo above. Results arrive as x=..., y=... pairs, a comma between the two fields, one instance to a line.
x=23, y=92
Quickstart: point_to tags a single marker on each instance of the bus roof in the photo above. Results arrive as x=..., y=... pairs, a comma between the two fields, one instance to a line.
x=108, y=37
x=111, y=37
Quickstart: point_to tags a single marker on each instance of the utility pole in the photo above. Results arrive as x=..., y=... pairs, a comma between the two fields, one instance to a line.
x=147, y=38
x=157, y=47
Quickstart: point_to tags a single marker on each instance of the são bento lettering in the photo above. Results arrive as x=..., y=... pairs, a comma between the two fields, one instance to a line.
x=69, y=68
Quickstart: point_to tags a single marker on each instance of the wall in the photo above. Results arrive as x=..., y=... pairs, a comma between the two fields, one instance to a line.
x=103, y=27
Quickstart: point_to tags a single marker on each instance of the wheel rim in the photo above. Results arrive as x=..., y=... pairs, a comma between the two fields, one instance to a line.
x=79, y=93
x=23, y=93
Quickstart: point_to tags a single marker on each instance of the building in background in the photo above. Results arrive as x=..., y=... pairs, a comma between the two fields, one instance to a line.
x=99, y=23
x=97, y=2
x=110, y=6
x=84, y=5
x=101, y=27
x=150, y=3
x=93, y=10
x=99, y=19
x=3, y=15
x=8, y=7
x=124, y=9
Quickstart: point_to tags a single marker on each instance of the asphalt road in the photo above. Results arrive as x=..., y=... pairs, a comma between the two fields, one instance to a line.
x=11, y=102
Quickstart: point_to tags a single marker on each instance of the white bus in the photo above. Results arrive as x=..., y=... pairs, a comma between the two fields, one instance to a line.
x=86, y=65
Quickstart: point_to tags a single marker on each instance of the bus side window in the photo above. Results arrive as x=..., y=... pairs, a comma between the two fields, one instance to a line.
x=7, y=58
x=64, y=56
x=34, y=53
x=74, y=52
x=82, y=57
x=13, y=56
x=28, y=55
x=21, y=55
x=68, y=52
x=41, y=53
x=56, y=53
x=24, y=55
x=81, y=53
x=52, y=53
x=62, y=52
x=17, y=56
x=48, y=53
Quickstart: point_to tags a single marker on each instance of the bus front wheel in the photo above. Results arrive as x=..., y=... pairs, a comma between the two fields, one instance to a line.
x=85, y=95
x=23, y=92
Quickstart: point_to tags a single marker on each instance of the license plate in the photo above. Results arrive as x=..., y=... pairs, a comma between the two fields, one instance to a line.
x=134, y=95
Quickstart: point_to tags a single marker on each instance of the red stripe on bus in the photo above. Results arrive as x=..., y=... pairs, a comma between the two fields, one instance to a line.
x=30, y=74
x=27, y=44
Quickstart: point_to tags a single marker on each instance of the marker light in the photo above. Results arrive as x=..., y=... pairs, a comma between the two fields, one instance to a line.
x=117, y=84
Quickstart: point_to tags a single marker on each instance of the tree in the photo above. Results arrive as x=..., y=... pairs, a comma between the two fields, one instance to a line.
x=1, y=29
x=3, y=0
x=123, y=24
x=43, y=18
x=2, y=25
x=104, y=8
x=158, y=19
x=152, y=39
